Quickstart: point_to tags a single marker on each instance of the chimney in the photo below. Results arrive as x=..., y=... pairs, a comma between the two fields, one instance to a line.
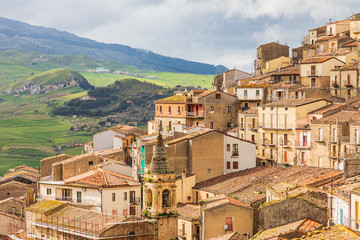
x=330, y=20
x=183, y=174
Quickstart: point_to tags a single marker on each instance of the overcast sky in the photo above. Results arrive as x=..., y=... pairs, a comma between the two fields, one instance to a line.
x=223, y=32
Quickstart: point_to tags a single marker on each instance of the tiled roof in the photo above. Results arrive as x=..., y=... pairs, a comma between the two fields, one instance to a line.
x=101, y=178
x=317, y=28
x=316, y=60
x=344, y=187
x=285, y=86
x=353, y=43
x=205, y=93
x=287, y=71
x=304, y=226
x=348, y=67
x=335, y=232
x=24, y=173
x=229, y=236
x=249, y=185
x=75, y=158
x=221, y=200
x=46, y=206
x=293, y=102
x=255, y=85
x=71, y=217
x=251, y=111
x=190, y=136
x=123, y=129
x=189, y=211
x=340, y=117
x=329, y=38
x=173, y=99
x=327, y=108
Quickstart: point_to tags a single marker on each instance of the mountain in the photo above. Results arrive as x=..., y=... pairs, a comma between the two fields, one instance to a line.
x=27, y=38
x=48, y=81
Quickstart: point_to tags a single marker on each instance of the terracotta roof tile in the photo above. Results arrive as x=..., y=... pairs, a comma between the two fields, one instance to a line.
x=335, y=232
x=316, y=60
x=340, y=117
x=189, y=211
x=293, y=102
x=251, y=111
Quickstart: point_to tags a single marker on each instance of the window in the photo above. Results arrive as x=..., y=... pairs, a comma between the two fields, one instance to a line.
x=160, y=110
x=197, y=197
x=235, y=165
x=263, y=152
x=253, y=138
x=114, y=212
x=235, y=151
x=228, y=165
x=169, y=125
x=113, y=197
x=169, y=110
x=285, y=139
x=271, y=154
x=271, y=120
x=209, y=170
x=207, y=195
x=178, y=110
x=257, y=93
x=48, y=191
x=245, y=93
x=165, y=198
x=160, y=125
x=66, y=194
x=211, y=108
x=228, y=223
x=125, y=196
x=228, y=125
x=356, y=214
x=242, y=122
x=285, y=157
x=313, y=82
x=217, y=95
x=320, y=134
x=229, y=109
x=253, y=125
x=356, y=136
x=228, y=147
x=78, y=196
x=271, y=138
x=264, y=137
x=132, y=211
x=211, y=125
x=91, y=163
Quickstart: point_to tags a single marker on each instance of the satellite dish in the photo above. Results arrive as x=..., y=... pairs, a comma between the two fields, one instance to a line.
x=225, y=227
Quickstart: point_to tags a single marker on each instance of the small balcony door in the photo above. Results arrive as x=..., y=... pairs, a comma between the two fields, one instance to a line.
x=78, y=197
x=132, y=197
x=66, y=194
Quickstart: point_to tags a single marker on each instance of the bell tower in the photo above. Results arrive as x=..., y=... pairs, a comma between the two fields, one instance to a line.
x=159, y=193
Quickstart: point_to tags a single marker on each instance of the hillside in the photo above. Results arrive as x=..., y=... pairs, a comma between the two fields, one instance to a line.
x=128, y=100
x=27, y=38
x=16, y=66
x=49, y=81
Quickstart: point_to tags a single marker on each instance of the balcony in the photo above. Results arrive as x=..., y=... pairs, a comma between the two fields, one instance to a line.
x=313, y=73
x=87, y=201
x=302, y=144
x=343, y=139
x=319, y=138
x=195, y=114
x=135, y=200
x=252, y=127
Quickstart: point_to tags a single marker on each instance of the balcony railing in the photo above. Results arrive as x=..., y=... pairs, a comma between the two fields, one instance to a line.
x=335, y=139
x=83, y=199
x=252, y=127
x=302, y=144
x=195, y=114
x=313, y=73
x=135, y=200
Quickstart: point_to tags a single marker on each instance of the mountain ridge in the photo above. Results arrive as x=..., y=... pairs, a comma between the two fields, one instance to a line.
x=26, y=38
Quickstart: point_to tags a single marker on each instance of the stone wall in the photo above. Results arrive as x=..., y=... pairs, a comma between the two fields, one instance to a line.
x=46, y=163
x=13, y=206
x=351, y=167
x=290, y=210
x=167, y=228
x=13, y=189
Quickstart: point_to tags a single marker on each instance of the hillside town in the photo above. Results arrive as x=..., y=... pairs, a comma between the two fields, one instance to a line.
x=269, y=155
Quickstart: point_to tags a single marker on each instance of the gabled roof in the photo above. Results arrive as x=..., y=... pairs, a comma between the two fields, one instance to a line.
x=189, y=211
x=317, y=60
x=174, y=99
x=57, y=157
x=101, y=178
x=334, y=232
x=123, y=129
x=349, y=67
x=303, y=226
x=251, y=111
x=293, y=102
x=221, y=200
x=339, y=117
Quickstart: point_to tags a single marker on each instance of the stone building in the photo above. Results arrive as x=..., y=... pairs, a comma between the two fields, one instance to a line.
x=267, y=52
x=344, y=81
x=251, y=95
x=277, y=129
x=210, y=109
x=50, y=219
x=228, y=79
x=315, y=72
x=159, y=193
x=188, y=221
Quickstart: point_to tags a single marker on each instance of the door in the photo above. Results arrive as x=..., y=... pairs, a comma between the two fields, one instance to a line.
x=132, y=196
x=66, y=194
x=313, y=82
x=228, y=223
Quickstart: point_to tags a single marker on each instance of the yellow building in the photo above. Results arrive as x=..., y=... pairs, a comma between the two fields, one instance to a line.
x=277, y=129
x=276, y=64
x=344, y=81
x=355, y=28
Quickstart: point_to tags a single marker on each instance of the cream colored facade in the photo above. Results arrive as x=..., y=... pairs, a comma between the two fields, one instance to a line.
x=355, y=210
x=334, y=28
x=348, y=57
x=355, y=28
x=277, y=131
x=344, y=83
x=184, y=185
x=317, y=74
x=248, y=127
x=277, y=63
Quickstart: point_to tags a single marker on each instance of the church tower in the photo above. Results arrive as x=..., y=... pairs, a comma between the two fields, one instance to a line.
x=159, y=191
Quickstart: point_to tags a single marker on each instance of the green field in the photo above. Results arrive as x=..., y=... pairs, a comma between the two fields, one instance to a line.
x=28, y=132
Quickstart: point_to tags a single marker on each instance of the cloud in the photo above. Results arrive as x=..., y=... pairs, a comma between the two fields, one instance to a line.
x=213, y=31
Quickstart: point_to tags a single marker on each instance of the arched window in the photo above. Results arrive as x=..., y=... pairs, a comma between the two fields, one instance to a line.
x=149, y=198
x=166, y=198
